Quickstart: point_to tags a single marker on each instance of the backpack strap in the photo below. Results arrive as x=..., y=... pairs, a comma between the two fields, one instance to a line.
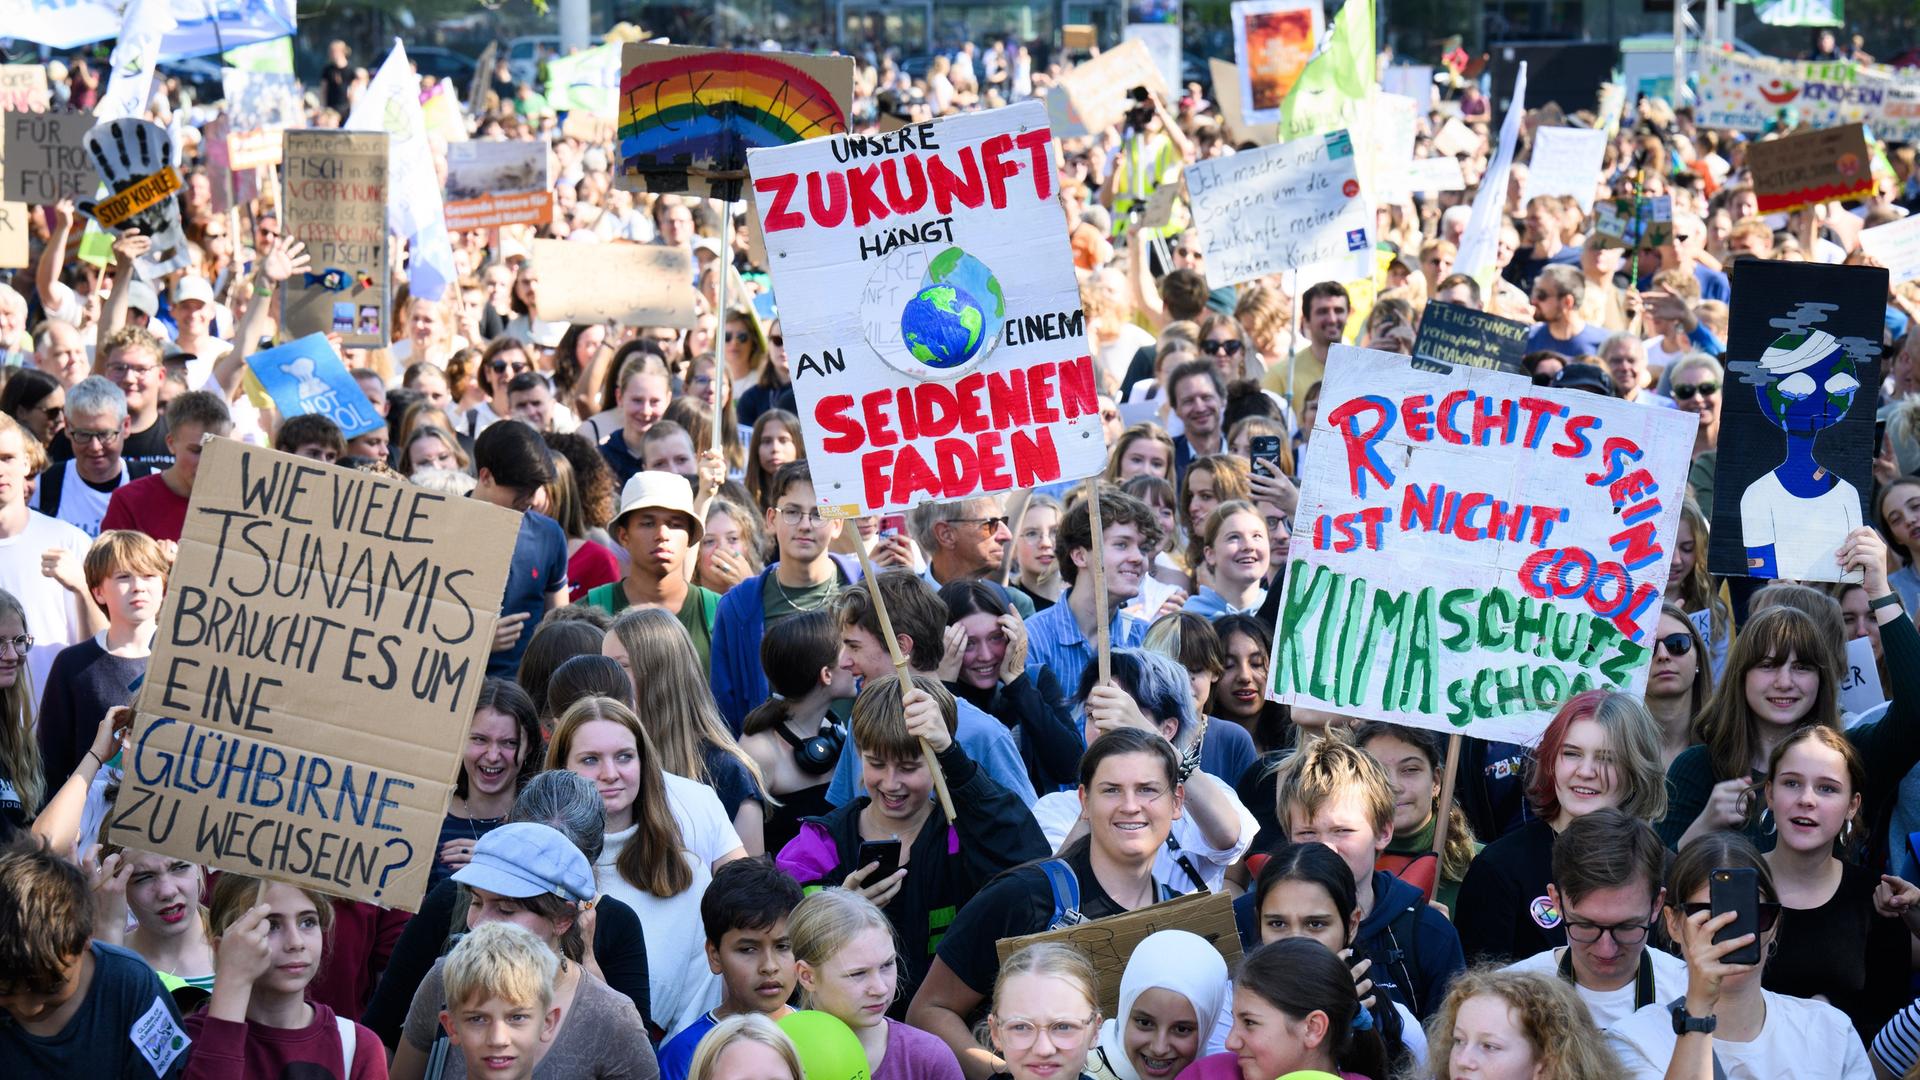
x=1066, y=893
x=349, y=1040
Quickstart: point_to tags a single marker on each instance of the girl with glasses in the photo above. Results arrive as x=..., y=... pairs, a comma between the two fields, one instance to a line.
x=1679, y=683
x=502, y=360
x=847, y=964
x=1753, y=1031
x=1046, y=1013
x=1225, y=342
x=37, y=400
x=1295, y=1008
x=746, y=353
x=1812, y=796
x=774, y=388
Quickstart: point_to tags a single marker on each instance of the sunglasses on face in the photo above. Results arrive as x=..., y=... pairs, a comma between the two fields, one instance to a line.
x=499, y=366
x=1675, y=644
x=1221, y=348
x=1686, y=391
x=1768, y=913
x=778, y=341
x=738, y=335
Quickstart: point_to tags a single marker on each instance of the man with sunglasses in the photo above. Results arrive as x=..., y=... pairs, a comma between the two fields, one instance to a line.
x=1556, y=304
x=966, y=539
x=1607, y=872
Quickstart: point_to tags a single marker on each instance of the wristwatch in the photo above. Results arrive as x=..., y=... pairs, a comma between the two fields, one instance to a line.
x=1889, y=600
x=1691, y=1025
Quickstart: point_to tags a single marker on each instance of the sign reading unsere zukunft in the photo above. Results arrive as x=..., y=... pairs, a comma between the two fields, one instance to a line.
x=931, y=313
x=1472, y=550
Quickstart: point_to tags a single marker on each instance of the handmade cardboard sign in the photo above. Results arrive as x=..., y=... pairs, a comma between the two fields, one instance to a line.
x=1811, y=167
x=1455, y=138
x=1109, y=942
x=1896, y=246
x=1860, y=683
x=1471, y=550
x=1643, y=224
x=497, y=182
x=1159, y=211
x=1079, y=37
x=688, y=116
x=23, y=88
x=1566, y=161
x=628, y=284
x=47, y=157
x=134, y=159
x=306, y=376
x=321, y=646
x=1753, y=93
x=1272, y=41
x=260, y=105
x=13, y=234
x=1099, y=91
x=932, y=317
x=1226, y=92
x=336, y=203
x=1282, y=207
x=1795, y=461
x=1451, y=334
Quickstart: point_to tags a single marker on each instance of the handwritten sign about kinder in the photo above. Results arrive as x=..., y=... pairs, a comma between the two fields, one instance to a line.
x=932, y=317
x=1282, y=207
x=336, y=202
x=1472, y=550
x=323, y=640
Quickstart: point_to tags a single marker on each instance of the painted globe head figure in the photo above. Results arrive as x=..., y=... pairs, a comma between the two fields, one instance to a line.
x=1814, y=380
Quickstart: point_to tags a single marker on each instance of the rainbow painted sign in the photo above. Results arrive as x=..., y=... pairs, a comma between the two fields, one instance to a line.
x=688, y=115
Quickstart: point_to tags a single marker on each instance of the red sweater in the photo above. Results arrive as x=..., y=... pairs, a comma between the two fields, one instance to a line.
x=224, y=1050
x=358, y=948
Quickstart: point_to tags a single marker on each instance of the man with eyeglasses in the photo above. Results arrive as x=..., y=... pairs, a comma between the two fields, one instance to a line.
x=965, y=539
x=130, y=358
x=1607, y=872
x=78, y=490
x=807, y=577
x=1556, y=304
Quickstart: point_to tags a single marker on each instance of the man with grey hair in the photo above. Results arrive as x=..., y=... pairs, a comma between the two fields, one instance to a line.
x=77, y=490
x=60, y=351
x=1682, y=252
x=1625, y=359
x=14, y=343
x=1556, y=304
x=965, y=538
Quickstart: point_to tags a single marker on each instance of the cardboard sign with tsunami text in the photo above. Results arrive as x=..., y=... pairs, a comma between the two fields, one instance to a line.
x=1471, y=550
x=930, y=308
x=323, y=640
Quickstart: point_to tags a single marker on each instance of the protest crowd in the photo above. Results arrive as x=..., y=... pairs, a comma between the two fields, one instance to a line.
x=1375, y=641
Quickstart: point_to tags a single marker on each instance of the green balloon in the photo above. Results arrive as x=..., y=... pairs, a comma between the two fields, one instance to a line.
x=1310, y=1074
x=829, y=1050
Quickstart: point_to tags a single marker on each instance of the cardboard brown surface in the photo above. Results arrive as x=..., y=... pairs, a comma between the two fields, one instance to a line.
x=13, y=234
x=47, y=157
x=1811, y=167
x=630, y=284
x=23, y=88
x=687, y=115
x=324, y=637
x=1110, y=941
x=1098, y=89
x=335, y=200
x=1079, y=37
x=1159, y=211
x=1226, y=93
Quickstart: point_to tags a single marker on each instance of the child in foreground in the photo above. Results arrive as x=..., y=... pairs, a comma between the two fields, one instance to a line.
x=500, y=1013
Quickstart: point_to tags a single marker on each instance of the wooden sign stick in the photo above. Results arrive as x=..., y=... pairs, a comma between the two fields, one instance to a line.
x=722, y=378
x=1098, y=563
x=900, y=669
x=1445, y=808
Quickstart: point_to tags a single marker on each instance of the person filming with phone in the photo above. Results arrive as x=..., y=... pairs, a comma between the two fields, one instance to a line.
x=1724, y=913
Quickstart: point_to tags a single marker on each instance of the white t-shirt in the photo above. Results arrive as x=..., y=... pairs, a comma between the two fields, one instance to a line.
x=1802, y=1040
x=53, y=615
x=1117, y=355
x=1057, y=812
x=1770, y=514
x=81, y=504
x=683, y=986
x=1658, y=358
x=1609, y=1007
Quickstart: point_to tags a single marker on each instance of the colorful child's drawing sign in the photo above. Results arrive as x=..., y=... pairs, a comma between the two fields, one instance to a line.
x=1472, y=550
x=688, y=116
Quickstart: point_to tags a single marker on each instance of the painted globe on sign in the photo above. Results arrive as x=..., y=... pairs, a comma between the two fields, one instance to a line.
x=943, y=326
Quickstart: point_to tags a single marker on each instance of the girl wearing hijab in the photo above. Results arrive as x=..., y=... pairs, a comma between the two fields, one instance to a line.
x=1173, y=996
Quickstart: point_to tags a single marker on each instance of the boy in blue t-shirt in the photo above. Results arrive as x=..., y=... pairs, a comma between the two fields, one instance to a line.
x=745, y=910
x=78, y=1007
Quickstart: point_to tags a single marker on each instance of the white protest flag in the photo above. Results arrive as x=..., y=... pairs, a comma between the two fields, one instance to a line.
x=1478, y=245
x=414, y=211
x=130, y=87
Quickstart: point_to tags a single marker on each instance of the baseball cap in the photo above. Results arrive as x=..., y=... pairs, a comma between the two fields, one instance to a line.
x=524, y=859
x=142, y=298
x=657, y=490
x=193, y=287
x=1584, y=377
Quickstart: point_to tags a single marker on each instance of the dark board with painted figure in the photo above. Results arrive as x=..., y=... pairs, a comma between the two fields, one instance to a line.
x=1795, y=462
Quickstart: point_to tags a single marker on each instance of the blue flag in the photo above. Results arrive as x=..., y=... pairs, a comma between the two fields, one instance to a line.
x=306, y=376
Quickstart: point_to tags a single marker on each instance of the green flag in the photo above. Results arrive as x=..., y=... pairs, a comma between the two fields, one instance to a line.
x=1334, y=85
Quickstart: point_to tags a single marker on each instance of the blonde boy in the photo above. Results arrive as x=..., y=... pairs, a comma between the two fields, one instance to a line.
x=500, y=1009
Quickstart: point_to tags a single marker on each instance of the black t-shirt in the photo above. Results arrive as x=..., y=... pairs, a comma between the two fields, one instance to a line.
x=1017, y=902
x=148, y=447
x=127, y=1029
x=333, y=88
x=1868, y=988
x=1503, y=912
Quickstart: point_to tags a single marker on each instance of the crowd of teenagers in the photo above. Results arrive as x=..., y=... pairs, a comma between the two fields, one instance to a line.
x=695, y=796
